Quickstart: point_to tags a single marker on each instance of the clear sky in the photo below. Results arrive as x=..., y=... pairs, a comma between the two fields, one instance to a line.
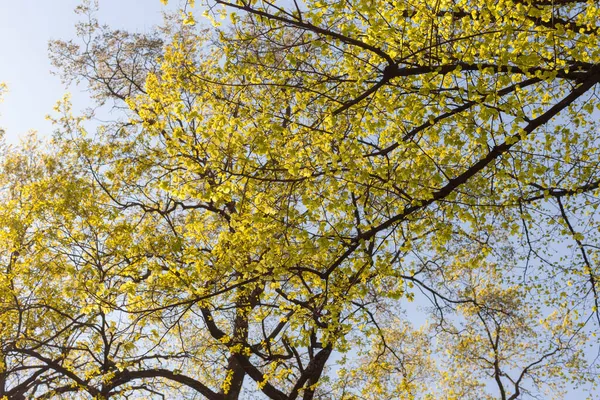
x=26, y=26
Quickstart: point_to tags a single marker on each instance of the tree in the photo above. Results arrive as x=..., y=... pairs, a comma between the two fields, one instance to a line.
x=279, y=189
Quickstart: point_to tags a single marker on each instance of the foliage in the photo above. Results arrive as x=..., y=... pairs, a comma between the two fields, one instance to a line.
x=279, y=189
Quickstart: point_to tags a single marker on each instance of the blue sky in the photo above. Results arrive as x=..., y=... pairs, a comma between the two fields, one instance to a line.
x=26, y=26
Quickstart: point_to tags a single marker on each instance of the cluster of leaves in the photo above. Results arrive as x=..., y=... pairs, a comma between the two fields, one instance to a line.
x=277, y=191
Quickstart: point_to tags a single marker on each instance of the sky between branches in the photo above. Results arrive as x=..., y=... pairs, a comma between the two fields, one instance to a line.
x=26, y=26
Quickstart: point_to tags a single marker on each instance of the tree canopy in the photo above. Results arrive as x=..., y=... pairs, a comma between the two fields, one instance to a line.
x=312, y=200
